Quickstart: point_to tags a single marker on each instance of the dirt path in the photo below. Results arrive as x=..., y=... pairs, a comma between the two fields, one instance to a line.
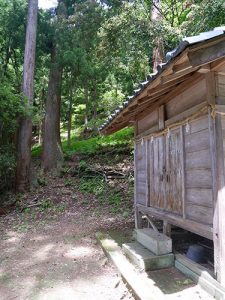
x=51, y=252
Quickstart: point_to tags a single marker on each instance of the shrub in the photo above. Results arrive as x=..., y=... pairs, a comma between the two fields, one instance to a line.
x=10, y=109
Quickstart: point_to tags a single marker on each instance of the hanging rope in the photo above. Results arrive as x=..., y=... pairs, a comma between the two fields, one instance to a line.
x=208, y=108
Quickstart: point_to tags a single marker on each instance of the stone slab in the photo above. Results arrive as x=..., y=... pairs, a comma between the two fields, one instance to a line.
x=145, y=259
x=143, y=288
x=154, y=241
x=210, y=285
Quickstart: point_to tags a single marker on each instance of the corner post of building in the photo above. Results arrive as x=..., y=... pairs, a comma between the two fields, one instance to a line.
x=219, y=205
x=137, y=216
x=218, y=146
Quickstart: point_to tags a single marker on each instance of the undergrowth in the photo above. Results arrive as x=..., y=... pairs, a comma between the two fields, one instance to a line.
x=105, y=151
x=105, y=193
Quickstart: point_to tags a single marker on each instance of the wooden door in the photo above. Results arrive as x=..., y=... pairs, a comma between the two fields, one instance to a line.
x=157, y=172
x=166, y=172
x=174, y=171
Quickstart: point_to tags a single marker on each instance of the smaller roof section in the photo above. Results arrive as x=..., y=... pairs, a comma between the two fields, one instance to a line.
x=193, y=55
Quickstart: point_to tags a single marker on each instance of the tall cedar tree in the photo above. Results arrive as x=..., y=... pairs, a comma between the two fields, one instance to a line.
x=52, y=155
x=158, y=50
x=23, y=169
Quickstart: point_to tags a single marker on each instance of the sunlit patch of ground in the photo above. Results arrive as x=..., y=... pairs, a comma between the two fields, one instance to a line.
x=53, y=255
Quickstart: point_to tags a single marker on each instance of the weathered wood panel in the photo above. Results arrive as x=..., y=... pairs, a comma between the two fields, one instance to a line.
x=219, y=214
x=148, y=122
x=199, y=196
x=198, y=160
x=191, y=97
x=174, y=171
x=199, y=213
x=198, y=170
x=193, y=226
x=197, y=141
x=199, y=178
x=199, y=124
x=220, y=85
x=186, y=114
x=140, y=173
x=156, y=170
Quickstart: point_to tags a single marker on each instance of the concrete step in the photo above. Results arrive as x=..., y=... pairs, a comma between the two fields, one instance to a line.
x=146, y=260
x=156, y=242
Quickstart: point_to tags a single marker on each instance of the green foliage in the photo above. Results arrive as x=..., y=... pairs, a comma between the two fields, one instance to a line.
x=98, y=187
x=115, y=198
x=204, y=15
x=68, y=183
x=105, y=49
x=122, y=138
x=10, y=109
x=7, y=167
x=94, y=186
x=96, y=144
x=46, y=204
x=42, y=180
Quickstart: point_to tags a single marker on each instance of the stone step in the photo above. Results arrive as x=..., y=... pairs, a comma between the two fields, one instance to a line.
x=146, y=260
x=156, y=242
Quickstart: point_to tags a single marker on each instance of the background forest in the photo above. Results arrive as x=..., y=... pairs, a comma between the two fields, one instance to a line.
x=90, y=56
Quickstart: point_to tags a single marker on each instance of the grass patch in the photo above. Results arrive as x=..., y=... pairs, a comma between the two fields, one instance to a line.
x=122, y=138
x=113, y=197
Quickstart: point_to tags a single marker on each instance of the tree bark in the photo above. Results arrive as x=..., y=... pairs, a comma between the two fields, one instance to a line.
x=158, y=50
x=52, y=155
x=23, y=169
x=70, y=110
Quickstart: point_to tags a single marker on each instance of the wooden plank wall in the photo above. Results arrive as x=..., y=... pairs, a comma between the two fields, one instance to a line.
x=159, y=180
x=140, y=176
x=198, y=172
x=147, y=122
x=219, y=214
x=220, y=87
x=184, y=101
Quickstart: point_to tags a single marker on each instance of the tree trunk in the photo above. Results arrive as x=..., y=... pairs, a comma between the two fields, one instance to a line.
x=86, y=94
x=23, y=170
x=52, y=155
x=158, y=50
x=42, y=121
x=70, y=115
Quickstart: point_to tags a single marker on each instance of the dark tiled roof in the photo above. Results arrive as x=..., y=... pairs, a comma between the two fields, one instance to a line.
x=204, y=36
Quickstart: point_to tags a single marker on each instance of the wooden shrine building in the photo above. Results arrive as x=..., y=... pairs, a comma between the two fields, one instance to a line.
x=179, y=120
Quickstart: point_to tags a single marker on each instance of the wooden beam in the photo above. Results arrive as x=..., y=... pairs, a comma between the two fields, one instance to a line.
x=147, y=162
x=207, y=54
x=181, y=66
x=210, y=88
x=148, y=106
x=216, y=65
x=158, y=94
x=183, y=181
x=174, y=76
x=161, y=117
x=220, y=108
x=219, y=210
x=201, y=229
x=204, y=69
x=166, y=228
x=144, y=111
x=147, y=132
x=185, y=114
x=167, y=86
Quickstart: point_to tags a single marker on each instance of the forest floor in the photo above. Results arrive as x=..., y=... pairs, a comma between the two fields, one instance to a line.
x=48, y=248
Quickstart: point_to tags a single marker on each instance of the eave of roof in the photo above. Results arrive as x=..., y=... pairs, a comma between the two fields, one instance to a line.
x=171, y=56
